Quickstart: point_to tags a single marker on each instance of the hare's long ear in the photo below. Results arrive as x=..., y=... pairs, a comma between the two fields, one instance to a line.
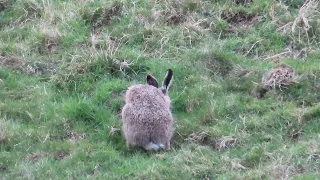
x=152, y=81
x=167, y=81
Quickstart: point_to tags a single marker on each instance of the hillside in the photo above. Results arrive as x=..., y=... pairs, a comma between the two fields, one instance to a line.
x=245, y=95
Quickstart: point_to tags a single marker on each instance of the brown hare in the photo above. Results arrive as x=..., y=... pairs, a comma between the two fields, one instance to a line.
x=146, y=116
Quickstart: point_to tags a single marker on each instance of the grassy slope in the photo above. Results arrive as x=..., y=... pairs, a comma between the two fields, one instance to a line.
x=59, y=103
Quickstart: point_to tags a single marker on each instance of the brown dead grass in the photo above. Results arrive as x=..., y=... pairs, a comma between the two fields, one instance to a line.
x=75, y=138
x=279, y=78
x=204, y=138
x=303, y=28
x=226, y=142
x=191, y=104
x=50, y=42
x=283, y=169
x=241, y=19
x=175, y=17
x=198, y=137
x=106, y=15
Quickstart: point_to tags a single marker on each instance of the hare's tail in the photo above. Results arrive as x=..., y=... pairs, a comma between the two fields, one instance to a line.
x=152, y=146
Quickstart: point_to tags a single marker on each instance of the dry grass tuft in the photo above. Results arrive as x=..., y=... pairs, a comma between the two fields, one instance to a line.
x=75, y=138
x=308, y=11
x=50, y=42
x=279, y=78
x=198, y=137
x=105, y=15
x=241, y=19
x=239, y=71
x=114, y=130
x=175, y=17
x=226, y=142
x=303, y=28
x=191, y=104
x=282, y=168
x=33, y=157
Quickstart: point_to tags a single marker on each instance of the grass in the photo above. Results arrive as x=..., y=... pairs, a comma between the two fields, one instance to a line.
x=65, y=66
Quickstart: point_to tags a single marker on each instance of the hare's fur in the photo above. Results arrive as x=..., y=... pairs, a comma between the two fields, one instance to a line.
x=146, y=118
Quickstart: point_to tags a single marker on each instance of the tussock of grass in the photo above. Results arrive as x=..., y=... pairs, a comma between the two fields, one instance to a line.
x=65, y=67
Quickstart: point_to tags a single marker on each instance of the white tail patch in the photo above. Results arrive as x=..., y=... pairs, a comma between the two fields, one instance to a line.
x=151, y=146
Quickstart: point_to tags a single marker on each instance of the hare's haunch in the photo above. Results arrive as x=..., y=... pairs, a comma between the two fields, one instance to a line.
x=146, y=116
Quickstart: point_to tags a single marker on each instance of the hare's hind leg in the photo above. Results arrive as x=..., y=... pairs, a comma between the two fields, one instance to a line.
x=168, y=146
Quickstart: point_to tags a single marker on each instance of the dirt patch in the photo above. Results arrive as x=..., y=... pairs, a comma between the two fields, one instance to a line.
x=59, y=156
x=12, y=62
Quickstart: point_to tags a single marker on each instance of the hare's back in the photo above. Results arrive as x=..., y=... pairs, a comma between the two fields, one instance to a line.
x=146, y=96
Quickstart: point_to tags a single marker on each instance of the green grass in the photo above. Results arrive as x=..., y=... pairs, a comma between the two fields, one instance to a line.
x=60, y=102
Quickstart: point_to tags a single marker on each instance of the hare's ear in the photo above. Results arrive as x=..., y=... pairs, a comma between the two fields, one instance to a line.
x=167, y=81
x=152, y=81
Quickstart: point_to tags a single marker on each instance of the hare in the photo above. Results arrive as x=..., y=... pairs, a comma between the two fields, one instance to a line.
x=146, y=116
